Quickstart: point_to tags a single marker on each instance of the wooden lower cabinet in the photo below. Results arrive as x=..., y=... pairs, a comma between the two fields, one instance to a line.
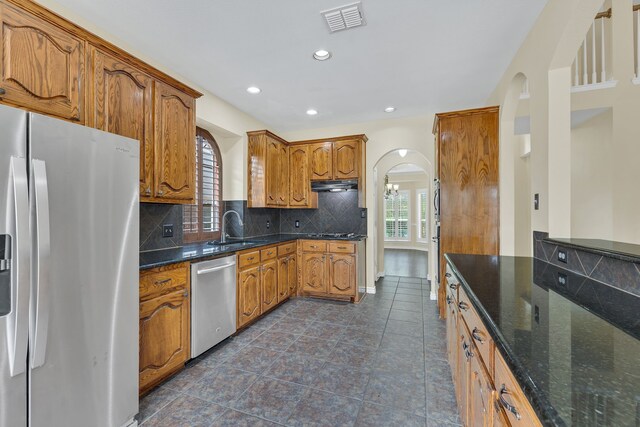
x=292, y=277
x=164, y=323
x=249, y=299
x=314, y=273
x=283, y=278
x=342, y=274
x=269, y=285
x=486, y=390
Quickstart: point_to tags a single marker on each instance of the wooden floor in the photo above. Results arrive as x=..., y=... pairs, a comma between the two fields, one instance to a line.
x=405, y=263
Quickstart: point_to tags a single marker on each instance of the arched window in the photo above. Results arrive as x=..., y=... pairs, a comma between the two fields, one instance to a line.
x=202, y=220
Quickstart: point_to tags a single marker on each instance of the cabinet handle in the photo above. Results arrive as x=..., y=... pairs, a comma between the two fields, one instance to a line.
x=475, y=334
x=313, y=246
x=161, y=282
x=342, y=247
x=331, y=257
x=2, y=91
x=269, y=253
x=465, y=348
x=449, y=300
x=447, y=275
x=147, y=191
x=509, y=407
x=250, y=258
x=186, y=294
x=160, y=192
x=454, y=286
x=463, y=306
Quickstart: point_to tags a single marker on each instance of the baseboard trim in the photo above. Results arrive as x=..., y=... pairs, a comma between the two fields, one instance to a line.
x=379, y=275
x=371, y=289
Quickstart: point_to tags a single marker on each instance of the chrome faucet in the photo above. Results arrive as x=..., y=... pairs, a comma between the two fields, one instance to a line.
x=223, y=234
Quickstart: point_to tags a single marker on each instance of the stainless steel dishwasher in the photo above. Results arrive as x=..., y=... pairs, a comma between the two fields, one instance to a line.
x=213, y=303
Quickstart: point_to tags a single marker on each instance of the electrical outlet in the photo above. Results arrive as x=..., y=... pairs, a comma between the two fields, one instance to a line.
x=268, y=224
x=297, y=223
x=167, y=230
x=563, y=280
x=562, y=256
x=536, y=201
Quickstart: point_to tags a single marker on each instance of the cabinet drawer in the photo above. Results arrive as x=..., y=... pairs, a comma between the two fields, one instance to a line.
x=478, y=332
x=342, y=248
x=284, y=250
x=157, y=282
x=267, y=254
x=314, y=246
x=510, y=396
x=248, y=259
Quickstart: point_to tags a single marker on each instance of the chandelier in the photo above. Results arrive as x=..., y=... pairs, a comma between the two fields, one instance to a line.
x=390, y=190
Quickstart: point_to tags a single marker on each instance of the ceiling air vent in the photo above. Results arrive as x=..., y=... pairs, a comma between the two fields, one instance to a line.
x=344, y=17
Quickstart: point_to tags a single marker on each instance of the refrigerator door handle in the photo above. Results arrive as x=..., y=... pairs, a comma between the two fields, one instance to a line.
x=18, y=321
x=41, y=264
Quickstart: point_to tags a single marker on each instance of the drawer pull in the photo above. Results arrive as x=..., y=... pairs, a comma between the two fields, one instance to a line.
x=449, y=300
x=313, y=247
x=463, y=306
x=342, y=247
x=466, y=349
x=270, y=252
x=251, y=258
x=454, y=286
x=447, y=275
x=476, y=335
x=509, y=407
x=161, y=282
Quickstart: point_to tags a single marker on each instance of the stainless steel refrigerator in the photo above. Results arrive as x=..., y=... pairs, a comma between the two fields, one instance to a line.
x=68, y=274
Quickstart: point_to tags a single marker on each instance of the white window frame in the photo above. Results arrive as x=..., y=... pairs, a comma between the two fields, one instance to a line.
x=424, y=239
x=399, y=239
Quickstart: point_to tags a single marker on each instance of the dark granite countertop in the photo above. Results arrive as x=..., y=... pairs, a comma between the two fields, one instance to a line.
x=574, y=348
x=609, y=248
x=199, y=251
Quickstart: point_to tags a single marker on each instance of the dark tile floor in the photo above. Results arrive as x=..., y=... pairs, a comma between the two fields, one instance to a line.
x=319, y=363
x=405, y=262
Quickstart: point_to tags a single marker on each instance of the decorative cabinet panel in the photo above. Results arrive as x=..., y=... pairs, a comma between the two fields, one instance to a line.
x=121, y=102
x=42, y=65
x=300, y=194
x=283, y=278
x=481, y=393
x=249, y=298
x=269, y=285
x=345, y=159
x=293, y=275
x=268, y=184
x=321, y=161
x=164, y=323
x=174, y=151
x=283, y=176
x=314, y=274
x=342, y=274
x=273, y=172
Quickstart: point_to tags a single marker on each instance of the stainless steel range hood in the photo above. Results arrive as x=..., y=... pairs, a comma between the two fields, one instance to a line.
x=343, y=185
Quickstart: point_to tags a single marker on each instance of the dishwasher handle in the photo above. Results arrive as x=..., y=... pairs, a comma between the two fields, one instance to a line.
x=209, y=270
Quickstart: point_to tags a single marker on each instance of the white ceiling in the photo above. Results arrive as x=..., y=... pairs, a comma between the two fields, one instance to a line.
x=421, y=56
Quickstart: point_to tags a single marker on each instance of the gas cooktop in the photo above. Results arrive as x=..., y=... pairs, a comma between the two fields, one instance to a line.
x=333, y=235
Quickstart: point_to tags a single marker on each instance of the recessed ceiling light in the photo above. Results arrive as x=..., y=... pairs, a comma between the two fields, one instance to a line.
x=253, y=90
x=390, y=109
x=312, y=112
x=402, y=152
x=321, y=55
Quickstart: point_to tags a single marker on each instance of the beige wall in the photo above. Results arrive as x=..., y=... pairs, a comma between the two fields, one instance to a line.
x=226, y=123
x=592, y=163
x=523, y=197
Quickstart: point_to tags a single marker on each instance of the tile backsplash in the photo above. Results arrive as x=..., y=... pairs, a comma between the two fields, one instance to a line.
x=336, y=213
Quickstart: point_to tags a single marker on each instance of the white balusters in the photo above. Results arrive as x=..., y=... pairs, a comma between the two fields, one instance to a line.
x=594, y=69
x=637, y=13
x=603, y=72
x=590, y=64
x=585, y=73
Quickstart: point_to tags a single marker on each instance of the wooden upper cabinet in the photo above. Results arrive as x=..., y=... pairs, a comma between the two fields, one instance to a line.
x=120, y=101
x=299, y=188
x=42, y=65
x=314, y=273
x=248, y=295
x=273, y=172
x=345, y=159
x=321, y=161
x=283, y=176
x=174, y=151
x=342, y=274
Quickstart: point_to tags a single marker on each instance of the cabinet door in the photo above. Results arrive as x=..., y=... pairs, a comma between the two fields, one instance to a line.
x=480, y=393
x=121, y=101
x=248, y=295
x=321, y=161
x=314, y=273
x=269, y=283
x=42, y=66
x=175, y=145
x=283, y=278
x=272, y=175
x=452, y=338
x=345, y=159
x=293, y=275
x=164, y=336
x=342, y=274
x=464, y=372
x=299, y=188
x=283, y=176
x=498, y=418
